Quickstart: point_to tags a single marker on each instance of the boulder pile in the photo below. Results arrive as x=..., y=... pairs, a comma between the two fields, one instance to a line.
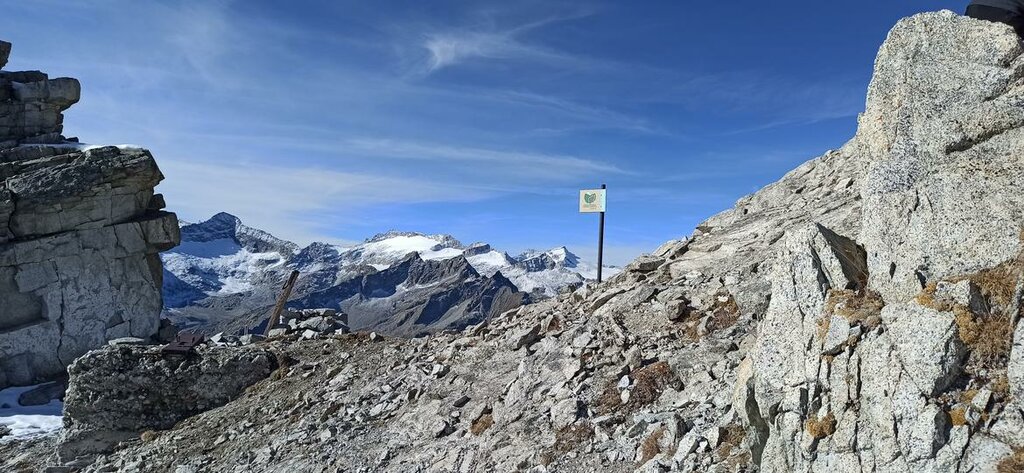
x=311, y=323
x=80, y=230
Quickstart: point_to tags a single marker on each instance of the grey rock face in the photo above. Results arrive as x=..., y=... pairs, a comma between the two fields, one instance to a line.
x=5, y=51
x=839, y=382
x=80, y=229
x=117, y=393
x=941, y=135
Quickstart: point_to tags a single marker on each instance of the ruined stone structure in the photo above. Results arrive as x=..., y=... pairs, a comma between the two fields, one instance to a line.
x=80, y=229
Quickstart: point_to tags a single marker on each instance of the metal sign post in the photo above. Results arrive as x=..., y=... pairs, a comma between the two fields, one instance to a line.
x=596, y=201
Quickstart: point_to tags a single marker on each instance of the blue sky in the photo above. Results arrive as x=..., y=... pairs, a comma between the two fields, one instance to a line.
x=336, y=120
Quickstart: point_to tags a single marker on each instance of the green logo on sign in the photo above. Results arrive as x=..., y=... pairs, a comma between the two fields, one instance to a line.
x=590, y=198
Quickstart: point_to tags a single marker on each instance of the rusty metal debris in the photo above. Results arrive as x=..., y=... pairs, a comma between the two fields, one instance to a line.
x=184, y=344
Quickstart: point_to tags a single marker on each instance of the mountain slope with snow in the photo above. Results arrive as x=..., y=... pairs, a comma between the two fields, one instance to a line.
x=226, y=276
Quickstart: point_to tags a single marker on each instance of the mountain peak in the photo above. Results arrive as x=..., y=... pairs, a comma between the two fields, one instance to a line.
x=443, y=240
x=220, y=226
x=562, y=255
x=224, y=226
x=223, y=217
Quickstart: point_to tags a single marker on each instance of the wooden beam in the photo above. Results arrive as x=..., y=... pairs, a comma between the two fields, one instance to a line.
x=286, y=292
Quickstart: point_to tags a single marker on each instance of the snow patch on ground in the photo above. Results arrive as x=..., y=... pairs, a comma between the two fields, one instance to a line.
x=28, y=421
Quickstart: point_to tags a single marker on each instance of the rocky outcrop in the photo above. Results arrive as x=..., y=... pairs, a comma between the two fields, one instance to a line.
x=31, y=104
x=899, y=362
x=80, y=229
x=122, y=391
x=861, y=314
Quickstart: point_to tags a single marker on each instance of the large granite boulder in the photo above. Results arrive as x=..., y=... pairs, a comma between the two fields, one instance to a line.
x=80, y=230
x=908, y=362
x=941, y=138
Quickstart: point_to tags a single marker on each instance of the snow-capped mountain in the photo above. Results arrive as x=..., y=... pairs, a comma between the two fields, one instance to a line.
x=225, y=276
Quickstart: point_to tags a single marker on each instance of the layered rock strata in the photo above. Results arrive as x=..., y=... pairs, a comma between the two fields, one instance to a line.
x=80, y=230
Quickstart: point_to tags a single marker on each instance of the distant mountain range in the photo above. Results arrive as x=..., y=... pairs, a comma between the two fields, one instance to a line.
x=226, y=276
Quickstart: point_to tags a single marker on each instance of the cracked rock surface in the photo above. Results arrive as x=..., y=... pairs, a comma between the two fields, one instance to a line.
x=80, y=230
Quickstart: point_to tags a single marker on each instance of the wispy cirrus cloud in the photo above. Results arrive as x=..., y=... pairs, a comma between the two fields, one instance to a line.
x=456, y=45
x=582, y=115
x=280, y=199
x=517, y=163
x=342, y=118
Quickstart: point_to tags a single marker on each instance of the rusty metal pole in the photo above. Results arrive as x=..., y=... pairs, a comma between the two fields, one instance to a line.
x=286, y=292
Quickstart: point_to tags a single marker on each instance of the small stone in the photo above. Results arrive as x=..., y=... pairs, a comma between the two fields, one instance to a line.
x=43, y=394
x=571, y=367
x=981, y=400
x=526, y=338
x=250, y=338
x=127, y=341
x=964, y=293
x=461, y=402
x=646, y=264
x=441, y=428
x=319, y=324
x=277, y=332
x=439, y=370
x=678, y=309
x=582, y=340
x=327, y=434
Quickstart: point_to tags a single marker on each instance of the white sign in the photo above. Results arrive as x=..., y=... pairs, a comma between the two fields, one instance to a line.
x=592, y=200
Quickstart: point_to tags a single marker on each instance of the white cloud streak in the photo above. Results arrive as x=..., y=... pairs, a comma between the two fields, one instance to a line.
x=455, y=46
x=518, y=163
x=277, y=198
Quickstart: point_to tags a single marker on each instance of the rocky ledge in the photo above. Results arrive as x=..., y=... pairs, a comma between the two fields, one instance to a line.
x=80, y=230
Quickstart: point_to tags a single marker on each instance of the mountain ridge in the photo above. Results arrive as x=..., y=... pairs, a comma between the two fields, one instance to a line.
x=226, y=270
